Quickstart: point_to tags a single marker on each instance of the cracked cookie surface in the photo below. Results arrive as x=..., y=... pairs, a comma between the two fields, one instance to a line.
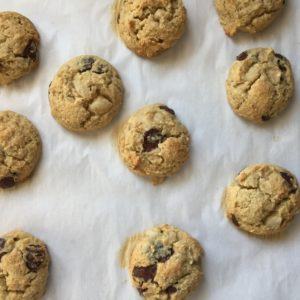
x=24, y=262
x=149, y=27
x=20, y=148
x=260, y=84
x=19, y=43
x=154, y=143
x=164, y=263
x=86, y=93
x=247, y=15
x=263, y=199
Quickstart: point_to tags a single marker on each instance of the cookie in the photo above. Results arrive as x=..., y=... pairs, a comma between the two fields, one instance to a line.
x=85, y=94
x=260, y=84
x=19, y=44
x=249, y=16
x=20, y=148
x=24, y=263
x=163, y=263
x=263, y=199
x=150, y=27
x=154, y=143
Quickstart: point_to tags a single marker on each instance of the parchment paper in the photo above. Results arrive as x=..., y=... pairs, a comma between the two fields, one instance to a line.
x=84, y=202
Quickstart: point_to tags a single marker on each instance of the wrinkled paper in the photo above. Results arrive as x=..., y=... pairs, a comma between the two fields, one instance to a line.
x=84, y=202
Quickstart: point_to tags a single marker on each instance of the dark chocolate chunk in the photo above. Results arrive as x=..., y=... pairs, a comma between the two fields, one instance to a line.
x=242, y=56
x=145, y=273
x=290, y=180
x=171, y=290
x=35, y=257
x=7, y=182
x=166, y=108
x=266, y=118
x=86, y=64
x=279, y=56
x=152, y=138
x=30, y=50
x=287, y=177
x=100, y=69
x=142, y=291
x=2, y=243
x=162, y=254
x=165, y=258
x=234, y=220
x=282, y=67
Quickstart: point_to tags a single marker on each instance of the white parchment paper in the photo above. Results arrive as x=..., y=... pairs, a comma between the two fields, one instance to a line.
x=84, y=202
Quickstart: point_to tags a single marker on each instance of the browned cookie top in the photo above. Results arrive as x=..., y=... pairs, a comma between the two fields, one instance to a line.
x=19, y=46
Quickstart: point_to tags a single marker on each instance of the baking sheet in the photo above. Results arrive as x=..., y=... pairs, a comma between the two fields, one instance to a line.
x=84, y=202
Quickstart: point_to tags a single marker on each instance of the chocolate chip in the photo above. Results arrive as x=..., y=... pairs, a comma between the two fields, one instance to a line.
x=2, y=243
x=162, y=254
x=152, y=138
x=279, y=56
x=86, y=64
x=30, y=50
x=290, y=180
x=100, y=69
x=165, y=258
x=166, y=108
x=266, y=118
x=281, y=67
x=142, y=291
x=7, y=182
x=171, y=290
x=234, y=220
x=35, y=257
x=145, y=273
x=242, y=56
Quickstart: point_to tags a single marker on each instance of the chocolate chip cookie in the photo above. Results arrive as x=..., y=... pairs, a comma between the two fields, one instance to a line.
x=154, y=143
x=260, y=84
x=24, y=262
x=263, y=199
x=20, y=148
x=19, y=44
x=247, y=15
x=150, y=27
x=163, y=263
x=86, y=93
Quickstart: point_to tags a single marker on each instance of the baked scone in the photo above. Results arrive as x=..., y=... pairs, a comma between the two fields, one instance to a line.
x=24, y=263
x=263, y=199
x=19, y=46
x=164, y=263
x=20, y=148
x=149, y=27
x=85, y=94
x=154, y=143
x=260, y=84
x=247, y=15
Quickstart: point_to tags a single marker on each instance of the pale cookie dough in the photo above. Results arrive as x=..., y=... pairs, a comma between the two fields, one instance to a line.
x=260, y=84
x=86, y=93
x=154, y=143
x=263, y=199
x=164, y=263
x=247, y=15
x=24, y=262
x=19, y=43
x=149, y=27
x=20, y=148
